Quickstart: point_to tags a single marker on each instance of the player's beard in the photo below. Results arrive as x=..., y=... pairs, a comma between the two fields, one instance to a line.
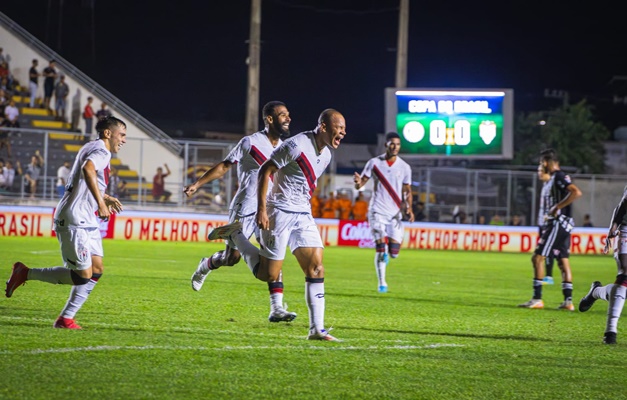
x=284, y=133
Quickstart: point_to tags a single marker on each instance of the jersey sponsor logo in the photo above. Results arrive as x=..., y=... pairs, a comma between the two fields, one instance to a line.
x=308, y=171
x=386, y=184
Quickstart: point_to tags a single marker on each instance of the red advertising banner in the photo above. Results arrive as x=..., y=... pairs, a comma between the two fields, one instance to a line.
x=190, y=227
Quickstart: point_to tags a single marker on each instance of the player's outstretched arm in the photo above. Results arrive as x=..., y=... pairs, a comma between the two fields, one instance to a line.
x=213, y=173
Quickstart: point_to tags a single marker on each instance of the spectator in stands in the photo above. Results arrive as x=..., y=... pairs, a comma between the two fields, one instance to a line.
x=123, y=190
x=33, y=82
x=5, y=142
x=344, y=205
x=33, y=170
x=496, y=220
x=9, y=174
x=104, y=112
x=158, y=185
x=114, y=183
x=360, y=208
x=315, y=204
x=62, y=175
x=516, y=220
x=459, y=215
x=5, y=73
x=50, y=76
x=329, y=207
x=61, y=91
x=481, y=220
x=88, y=116
x=2, y=175
x=6, y=87
x=587, y=222
x=419, y=211
x=11, y=115
x=3, y=58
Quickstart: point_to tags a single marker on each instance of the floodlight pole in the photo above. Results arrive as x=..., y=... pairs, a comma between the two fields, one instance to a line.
x=401, y=48
x=252, y=99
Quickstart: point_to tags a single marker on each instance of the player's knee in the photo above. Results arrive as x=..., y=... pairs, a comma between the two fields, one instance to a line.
x=621, y=280
x=77, y=279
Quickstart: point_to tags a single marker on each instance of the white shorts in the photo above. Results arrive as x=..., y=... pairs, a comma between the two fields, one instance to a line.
x=78, y=245
x=249, y=226
x=620, y=247
x=383, y=226
x=288, y=229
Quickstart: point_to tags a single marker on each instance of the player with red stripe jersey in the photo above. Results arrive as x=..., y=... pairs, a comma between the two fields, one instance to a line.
x=76, y=223
x=249, y=154
x=284, y=215
x=392, y=197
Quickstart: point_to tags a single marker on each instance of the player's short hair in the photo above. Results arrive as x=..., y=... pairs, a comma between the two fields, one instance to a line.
x=325, y=116
x=391, y=135
x=108, y=123
x=270, y=108
x=549, y=155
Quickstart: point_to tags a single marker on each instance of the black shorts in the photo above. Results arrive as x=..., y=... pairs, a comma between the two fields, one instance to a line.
x=555, y=237
x=48, y=89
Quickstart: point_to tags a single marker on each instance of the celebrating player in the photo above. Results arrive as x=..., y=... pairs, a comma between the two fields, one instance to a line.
x=249, y=154
x=392, y=196
x=284, y=217
x=76, y=223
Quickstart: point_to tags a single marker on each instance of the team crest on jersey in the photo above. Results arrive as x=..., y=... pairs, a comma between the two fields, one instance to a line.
x=291, y=144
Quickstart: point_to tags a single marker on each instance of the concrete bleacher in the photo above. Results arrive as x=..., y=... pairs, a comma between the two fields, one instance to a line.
x=62, y=145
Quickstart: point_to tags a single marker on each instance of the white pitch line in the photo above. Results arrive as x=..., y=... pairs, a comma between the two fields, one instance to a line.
x=225, y=348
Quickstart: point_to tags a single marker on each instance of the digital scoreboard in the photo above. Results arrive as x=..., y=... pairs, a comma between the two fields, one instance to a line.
x=455, y=123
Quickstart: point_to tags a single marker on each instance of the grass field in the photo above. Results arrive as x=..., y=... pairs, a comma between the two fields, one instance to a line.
x=449, y=328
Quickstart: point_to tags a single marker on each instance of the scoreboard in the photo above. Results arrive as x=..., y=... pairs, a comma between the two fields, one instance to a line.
x=452, y=123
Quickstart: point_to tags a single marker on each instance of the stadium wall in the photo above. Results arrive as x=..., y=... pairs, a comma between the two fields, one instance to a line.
x=191, y=227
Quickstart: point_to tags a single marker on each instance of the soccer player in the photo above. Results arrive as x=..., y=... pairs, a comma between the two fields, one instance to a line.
x=542, y=218
x=391, y=198
x=614, y=292
x=559, y=194
x=248, y=154
x=284, y=217
x=76, y=223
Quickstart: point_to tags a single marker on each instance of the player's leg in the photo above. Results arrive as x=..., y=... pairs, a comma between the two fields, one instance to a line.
x=307, y=247
x=55, y=275
x=567, y=284
x=394, y=231
x=537, y=262
x=270, y=266
x=548, y=267
x=79, y=293
x=618, y=291
x=379, y=233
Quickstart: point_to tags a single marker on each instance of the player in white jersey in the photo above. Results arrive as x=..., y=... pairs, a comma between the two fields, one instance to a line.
x=615, y=292
x=248, y=154
x=284, y=216
x=392, y=197
x=76, y=223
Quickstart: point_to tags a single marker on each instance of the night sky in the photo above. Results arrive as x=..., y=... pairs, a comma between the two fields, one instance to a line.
x=182, y=64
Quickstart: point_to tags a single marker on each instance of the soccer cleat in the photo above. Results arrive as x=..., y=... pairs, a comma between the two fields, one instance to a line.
x=322, y=335
x=225, y=231
x=547, y=280
x=533, y=303
x=19, y=276
x=383, y=289
x=198, y=278
x=566, y=305
x=609, y=338
x=587, y=301
x=66, y=323
x=281, y=315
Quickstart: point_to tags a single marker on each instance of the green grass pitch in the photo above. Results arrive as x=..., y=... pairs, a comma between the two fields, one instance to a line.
x=449, y=328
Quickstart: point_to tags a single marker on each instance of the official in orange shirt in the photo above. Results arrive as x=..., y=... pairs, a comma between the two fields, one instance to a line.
x=329, y=207
x=344, y=205
x=315, y=205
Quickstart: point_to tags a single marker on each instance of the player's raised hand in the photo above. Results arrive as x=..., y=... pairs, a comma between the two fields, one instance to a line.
x=190, y=190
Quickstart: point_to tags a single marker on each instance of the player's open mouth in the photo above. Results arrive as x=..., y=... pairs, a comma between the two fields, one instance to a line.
x=337, y=141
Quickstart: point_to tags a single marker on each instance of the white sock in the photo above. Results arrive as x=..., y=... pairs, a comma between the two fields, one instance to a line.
x=276, y=301
x=249, y=252
x=380, y=267
x=314, y=295
x=78, y=297
x=603, y=292
x=617, y=301
x=54, y=275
